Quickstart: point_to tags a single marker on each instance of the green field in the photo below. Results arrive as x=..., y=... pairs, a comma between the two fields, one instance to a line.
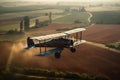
x=80, y=16
x=9, y=27
x=21, y=9
x=106, y=17
x=115, y=45
x=32, y=23
x=44, y=74
x=61, y=18
x=33, y=14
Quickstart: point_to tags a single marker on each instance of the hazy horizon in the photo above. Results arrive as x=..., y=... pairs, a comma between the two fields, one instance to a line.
x=62, y=0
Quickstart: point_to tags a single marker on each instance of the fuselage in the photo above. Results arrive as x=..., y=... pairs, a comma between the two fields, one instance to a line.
x=60, y=42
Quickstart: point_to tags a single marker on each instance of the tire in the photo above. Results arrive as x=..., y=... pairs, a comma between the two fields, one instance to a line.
x=57, y=55
x=73, y=49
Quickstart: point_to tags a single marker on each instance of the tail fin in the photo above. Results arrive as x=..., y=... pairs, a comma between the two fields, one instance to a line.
x=30, y=43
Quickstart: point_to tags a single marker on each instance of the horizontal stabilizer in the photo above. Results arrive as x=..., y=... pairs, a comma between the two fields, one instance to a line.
x=79, y=42
x=50, y=52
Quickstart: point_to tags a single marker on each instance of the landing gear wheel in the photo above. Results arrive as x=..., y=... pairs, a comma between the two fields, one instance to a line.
x=73, y=49
x=57, y=55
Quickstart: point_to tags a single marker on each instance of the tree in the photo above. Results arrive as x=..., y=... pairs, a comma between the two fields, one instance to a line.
x=36, y=23
x=21, y=26
x=82, y=9
x=26, y=22
x=77, y=21
x=50, y=17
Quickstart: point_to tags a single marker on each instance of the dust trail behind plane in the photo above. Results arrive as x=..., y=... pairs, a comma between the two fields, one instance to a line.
x=15, y=49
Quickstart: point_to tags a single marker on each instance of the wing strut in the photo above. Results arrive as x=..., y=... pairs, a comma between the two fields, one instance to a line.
x=81, y=36
x=76, y=36
x=40, y=47
x=45, y=46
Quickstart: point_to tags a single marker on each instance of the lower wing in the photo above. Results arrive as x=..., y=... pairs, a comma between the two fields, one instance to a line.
x=78, y=42
x=50, y=52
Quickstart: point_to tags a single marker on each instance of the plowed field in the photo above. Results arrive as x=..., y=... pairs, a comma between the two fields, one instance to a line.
x=87, y=59
x=102, y=33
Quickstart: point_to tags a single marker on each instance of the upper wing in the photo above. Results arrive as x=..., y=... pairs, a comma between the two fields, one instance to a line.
x=51, y=36
x=74, y=30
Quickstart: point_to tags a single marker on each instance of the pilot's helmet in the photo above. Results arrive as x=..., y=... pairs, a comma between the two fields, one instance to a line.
x=28, y=38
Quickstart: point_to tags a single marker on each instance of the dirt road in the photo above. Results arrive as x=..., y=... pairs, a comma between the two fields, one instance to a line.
x=90, y=16
x=102, y=46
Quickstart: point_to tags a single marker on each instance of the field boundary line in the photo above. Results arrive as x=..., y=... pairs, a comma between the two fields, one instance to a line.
x=38, y=77
x=102, y=46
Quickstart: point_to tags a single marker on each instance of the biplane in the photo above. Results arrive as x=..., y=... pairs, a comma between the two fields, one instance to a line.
x=68, y=39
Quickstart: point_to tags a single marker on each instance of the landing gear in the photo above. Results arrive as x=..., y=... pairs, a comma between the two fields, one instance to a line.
x=72, y=49
x=57, y=55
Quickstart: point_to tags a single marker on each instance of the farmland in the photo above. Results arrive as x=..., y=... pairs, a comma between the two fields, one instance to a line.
x=89, y=59
x=106, y=17
x=11, y=20
x=103, y=8
x=61, y=18
x=4, y=54
x=33, y=13
x=102, y=33
x=23, y=8
x=82, y=17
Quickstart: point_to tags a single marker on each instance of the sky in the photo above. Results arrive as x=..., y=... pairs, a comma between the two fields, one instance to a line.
x=63, y=0
x=69, y=0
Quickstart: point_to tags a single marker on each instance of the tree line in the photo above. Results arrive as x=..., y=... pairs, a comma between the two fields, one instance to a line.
x=25, y=23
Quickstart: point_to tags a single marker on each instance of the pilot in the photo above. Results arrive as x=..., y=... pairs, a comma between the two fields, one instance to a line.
x=71, y=42
x=30, y=42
